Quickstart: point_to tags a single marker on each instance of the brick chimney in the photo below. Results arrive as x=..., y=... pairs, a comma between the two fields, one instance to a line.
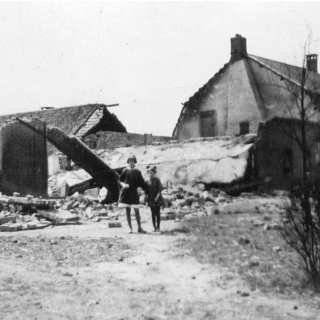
x=312, y=62
x=238, y=47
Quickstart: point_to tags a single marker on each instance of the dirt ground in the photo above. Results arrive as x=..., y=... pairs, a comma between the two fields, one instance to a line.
x=91, y=271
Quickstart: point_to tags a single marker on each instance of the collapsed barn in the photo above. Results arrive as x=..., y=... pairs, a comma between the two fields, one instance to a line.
x=79, y=121
x=46, y=156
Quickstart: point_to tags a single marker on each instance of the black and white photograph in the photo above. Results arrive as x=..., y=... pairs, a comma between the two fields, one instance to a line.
x=159, y=160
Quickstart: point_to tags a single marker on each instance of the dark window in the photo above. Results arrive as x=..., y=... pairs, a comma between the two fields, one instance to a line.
x=287, y=161
x=244, y=127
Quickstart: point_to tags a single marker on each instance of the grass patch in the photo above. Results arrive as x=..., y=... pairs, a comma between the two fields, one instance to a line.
x=215, y=240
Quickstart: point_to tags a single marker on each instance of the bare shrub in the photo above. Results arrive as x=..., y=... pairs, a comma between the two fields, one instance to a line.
x=302, y=229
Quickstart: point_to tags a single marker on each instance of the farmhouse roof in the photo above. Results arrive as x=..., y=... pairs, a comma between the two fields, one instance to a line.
x=289, y=72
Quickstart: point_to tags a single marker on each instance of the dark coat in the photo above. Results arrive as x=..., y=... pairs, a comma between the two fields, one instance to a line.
x=154, y=186
x=134, y=179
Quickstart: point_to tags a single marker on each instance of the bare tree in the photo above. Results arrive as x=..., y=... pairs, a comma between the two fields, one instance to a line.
x=302, y=217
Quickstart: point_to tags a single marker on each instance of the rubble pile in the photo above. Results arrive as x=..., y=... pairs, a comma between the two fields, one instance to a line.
x=181, y=202
x=29, y=213
x=185, y=202
x=87, y=207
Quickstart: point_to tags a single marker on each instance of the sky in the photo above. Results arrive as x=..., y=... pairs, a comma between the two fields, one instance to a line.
x=148, y=57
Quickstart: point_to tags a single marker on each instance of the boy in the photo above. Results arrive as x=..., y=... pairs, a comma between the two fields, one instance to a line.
x=155, y=199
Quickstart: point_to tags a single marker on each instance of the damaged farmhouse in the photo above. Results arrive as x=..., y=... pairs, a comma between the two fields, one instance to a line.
x=255, y=96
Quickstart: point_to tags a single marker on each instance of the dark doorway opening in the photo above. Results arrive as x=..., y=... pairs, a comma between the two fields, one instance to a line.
x=208, y=123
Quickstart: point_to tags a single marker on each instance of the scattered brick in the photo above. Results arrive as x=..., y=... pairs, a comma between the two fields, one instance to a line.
x=4, y=228
x=115, y=225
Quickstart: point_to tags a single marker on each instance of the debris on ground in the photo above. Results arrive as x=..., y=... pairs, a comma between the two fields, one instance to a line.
x=180, y=202
x=185, y=202
x=29, y=213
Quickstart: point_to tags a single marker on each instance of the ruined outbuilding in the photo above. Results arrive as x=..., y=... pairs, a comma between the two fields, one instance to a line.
x=246, y=91
x=79, y=121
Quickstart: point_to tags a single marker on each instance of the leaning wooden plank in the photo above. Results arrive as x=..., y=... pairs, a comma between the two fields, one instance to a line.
x=82, y=186
x=36, y=202
x=43, y=225
x=58, y=216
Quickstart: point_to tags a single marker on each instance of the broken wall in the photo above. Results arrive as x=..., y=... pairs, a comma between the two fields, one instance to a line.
x=112, y=140
x=205, y=160
x=188, y=127
x=23, y=160
x=279, y=156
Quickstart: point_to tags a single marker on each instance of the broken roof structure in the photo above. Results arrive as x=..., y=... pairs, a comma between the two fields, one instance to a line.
x=247, y=90
x=278, y=156
x=78, y=120
x=210, y=160
x=217, y=162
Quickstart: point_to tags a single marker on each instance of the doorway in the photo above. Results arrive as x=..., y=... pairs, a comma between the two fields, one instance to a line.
x=208, y=123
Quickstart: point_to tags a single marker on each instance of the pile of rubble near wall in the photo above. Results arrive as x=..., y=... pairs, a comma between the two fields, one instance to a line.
x=186, y=202
x=29, y=213
x=181, y=202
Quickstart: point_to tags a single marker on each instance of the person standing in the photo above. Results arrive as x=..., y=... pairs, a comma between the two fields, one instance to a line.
x=131, y=179
x=154, y=197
